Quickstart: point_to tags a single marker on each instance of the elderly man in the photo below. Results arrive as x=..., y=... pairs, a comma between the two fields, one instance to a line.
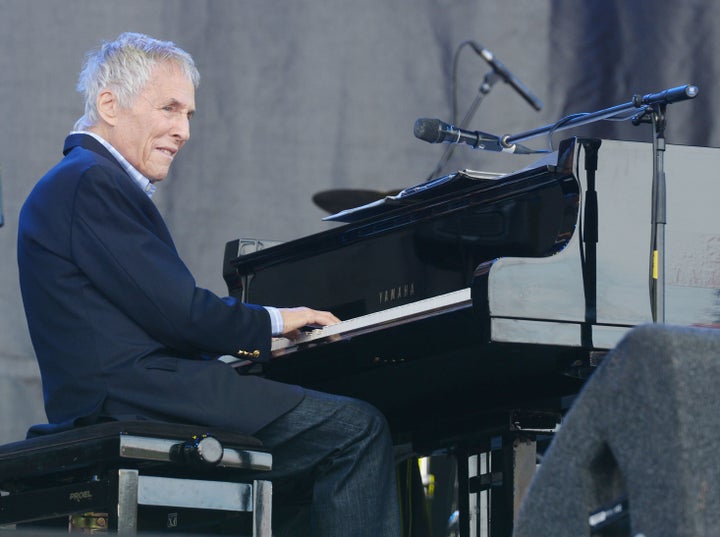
x=121, y=329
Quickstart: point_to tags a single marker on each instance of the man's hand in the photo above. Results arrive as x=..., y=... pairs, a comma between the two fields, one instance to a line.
x=296, y=318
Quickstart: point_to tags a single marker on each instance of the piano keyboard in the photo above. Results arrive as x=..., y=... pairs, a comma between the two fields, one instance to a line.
x=406, y=313
x=414, y=311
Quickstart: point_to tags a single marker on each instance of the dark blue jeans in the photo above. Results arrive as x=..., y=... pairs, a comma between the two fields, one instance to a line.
x=333, y=470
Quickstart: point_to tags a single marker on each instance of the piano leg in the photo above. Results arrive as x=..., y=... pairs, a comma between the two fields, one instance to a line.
x=494, y=474
x=517, y=466
x=492, y=483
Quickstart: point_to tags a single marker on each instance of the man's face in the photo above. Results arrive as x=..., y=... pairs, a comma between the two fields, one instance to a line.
x=151, y=132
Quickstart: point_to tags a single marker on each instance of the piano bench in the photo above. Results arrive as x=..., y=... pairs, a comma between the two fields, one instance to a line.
x=132, y=476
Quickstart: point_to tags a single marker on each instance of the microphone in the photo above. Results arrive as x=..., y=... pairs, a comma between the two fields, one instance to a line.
x=436, y=131
x=507, y=76
x=672, y=95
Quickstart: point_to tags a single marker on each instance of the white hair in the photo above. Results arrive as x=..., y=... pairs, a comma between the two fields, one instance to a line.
x=125, y=65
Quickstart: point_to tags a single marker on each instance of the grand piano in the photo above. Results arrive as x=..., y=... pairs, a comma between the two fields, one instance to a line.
x=479, y=303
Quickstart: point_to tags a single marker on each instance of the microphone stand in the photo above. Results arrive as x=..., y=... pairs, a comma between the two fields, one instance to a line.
x=488, y=82
x=668, y=96
x=508, y=140
x=659, y=208
x=659, y=218
x=654, y=105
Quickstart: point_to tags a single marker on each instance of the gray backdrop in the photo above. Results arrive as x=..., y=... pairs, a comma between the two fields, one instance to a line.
x=302, y=96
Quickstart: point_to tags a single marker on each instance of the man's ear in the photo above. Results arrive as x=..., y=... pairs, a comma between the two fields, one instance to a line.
x=107, y=106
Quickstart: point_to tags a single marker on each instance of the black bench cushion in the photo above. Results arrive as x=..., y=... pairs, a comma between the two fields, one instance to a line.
x=97, y=446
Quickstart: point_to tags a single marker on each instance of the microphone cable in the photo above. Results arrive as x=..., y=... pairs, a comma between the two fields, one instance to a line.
x=450, y=149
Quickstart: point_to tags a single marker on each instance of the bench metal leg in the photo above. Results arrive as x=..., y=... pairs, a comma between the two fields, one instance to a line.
x=262, y=509
x=134, y=490
x=128, y=484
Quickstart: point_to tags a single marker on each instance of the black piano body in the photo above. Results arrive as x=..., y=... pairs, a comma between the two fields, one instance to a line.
x=509, y=254
x=432, y=376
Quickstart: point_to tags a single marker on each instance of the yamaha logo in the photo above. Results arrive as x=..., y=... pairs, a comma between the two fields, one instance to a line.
x=388, y=296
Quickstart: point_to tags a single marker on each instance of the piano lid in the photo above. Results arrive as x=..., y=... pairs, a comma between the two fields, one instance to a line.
x=449, y=184
x=423, y=243
x=414, y=194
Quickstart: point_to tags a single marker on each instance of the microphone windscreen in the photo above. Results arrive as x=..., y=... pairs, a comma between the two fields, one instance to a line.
x=429, y=130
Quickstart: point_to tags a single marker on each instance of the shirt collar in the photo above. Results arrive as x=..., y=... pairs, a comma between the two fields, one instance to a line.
x=142, y=181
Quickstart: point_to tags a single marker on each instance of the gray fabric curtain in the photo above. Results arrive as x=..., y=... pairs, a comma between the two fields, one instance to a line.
x=300, y=96
x=606, y=51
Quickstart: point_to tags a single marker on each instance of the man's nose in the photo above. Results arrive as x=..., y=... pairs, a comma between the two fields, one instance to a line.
x=181, y=128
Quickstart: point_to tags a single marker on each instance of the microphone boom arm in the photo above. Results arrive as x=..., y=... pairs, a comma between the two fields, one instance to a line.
x=671, y=95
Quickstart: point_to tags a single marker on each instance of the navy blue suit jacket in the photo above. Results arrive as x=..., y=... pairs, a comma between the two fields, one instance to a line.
x=118, y=324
